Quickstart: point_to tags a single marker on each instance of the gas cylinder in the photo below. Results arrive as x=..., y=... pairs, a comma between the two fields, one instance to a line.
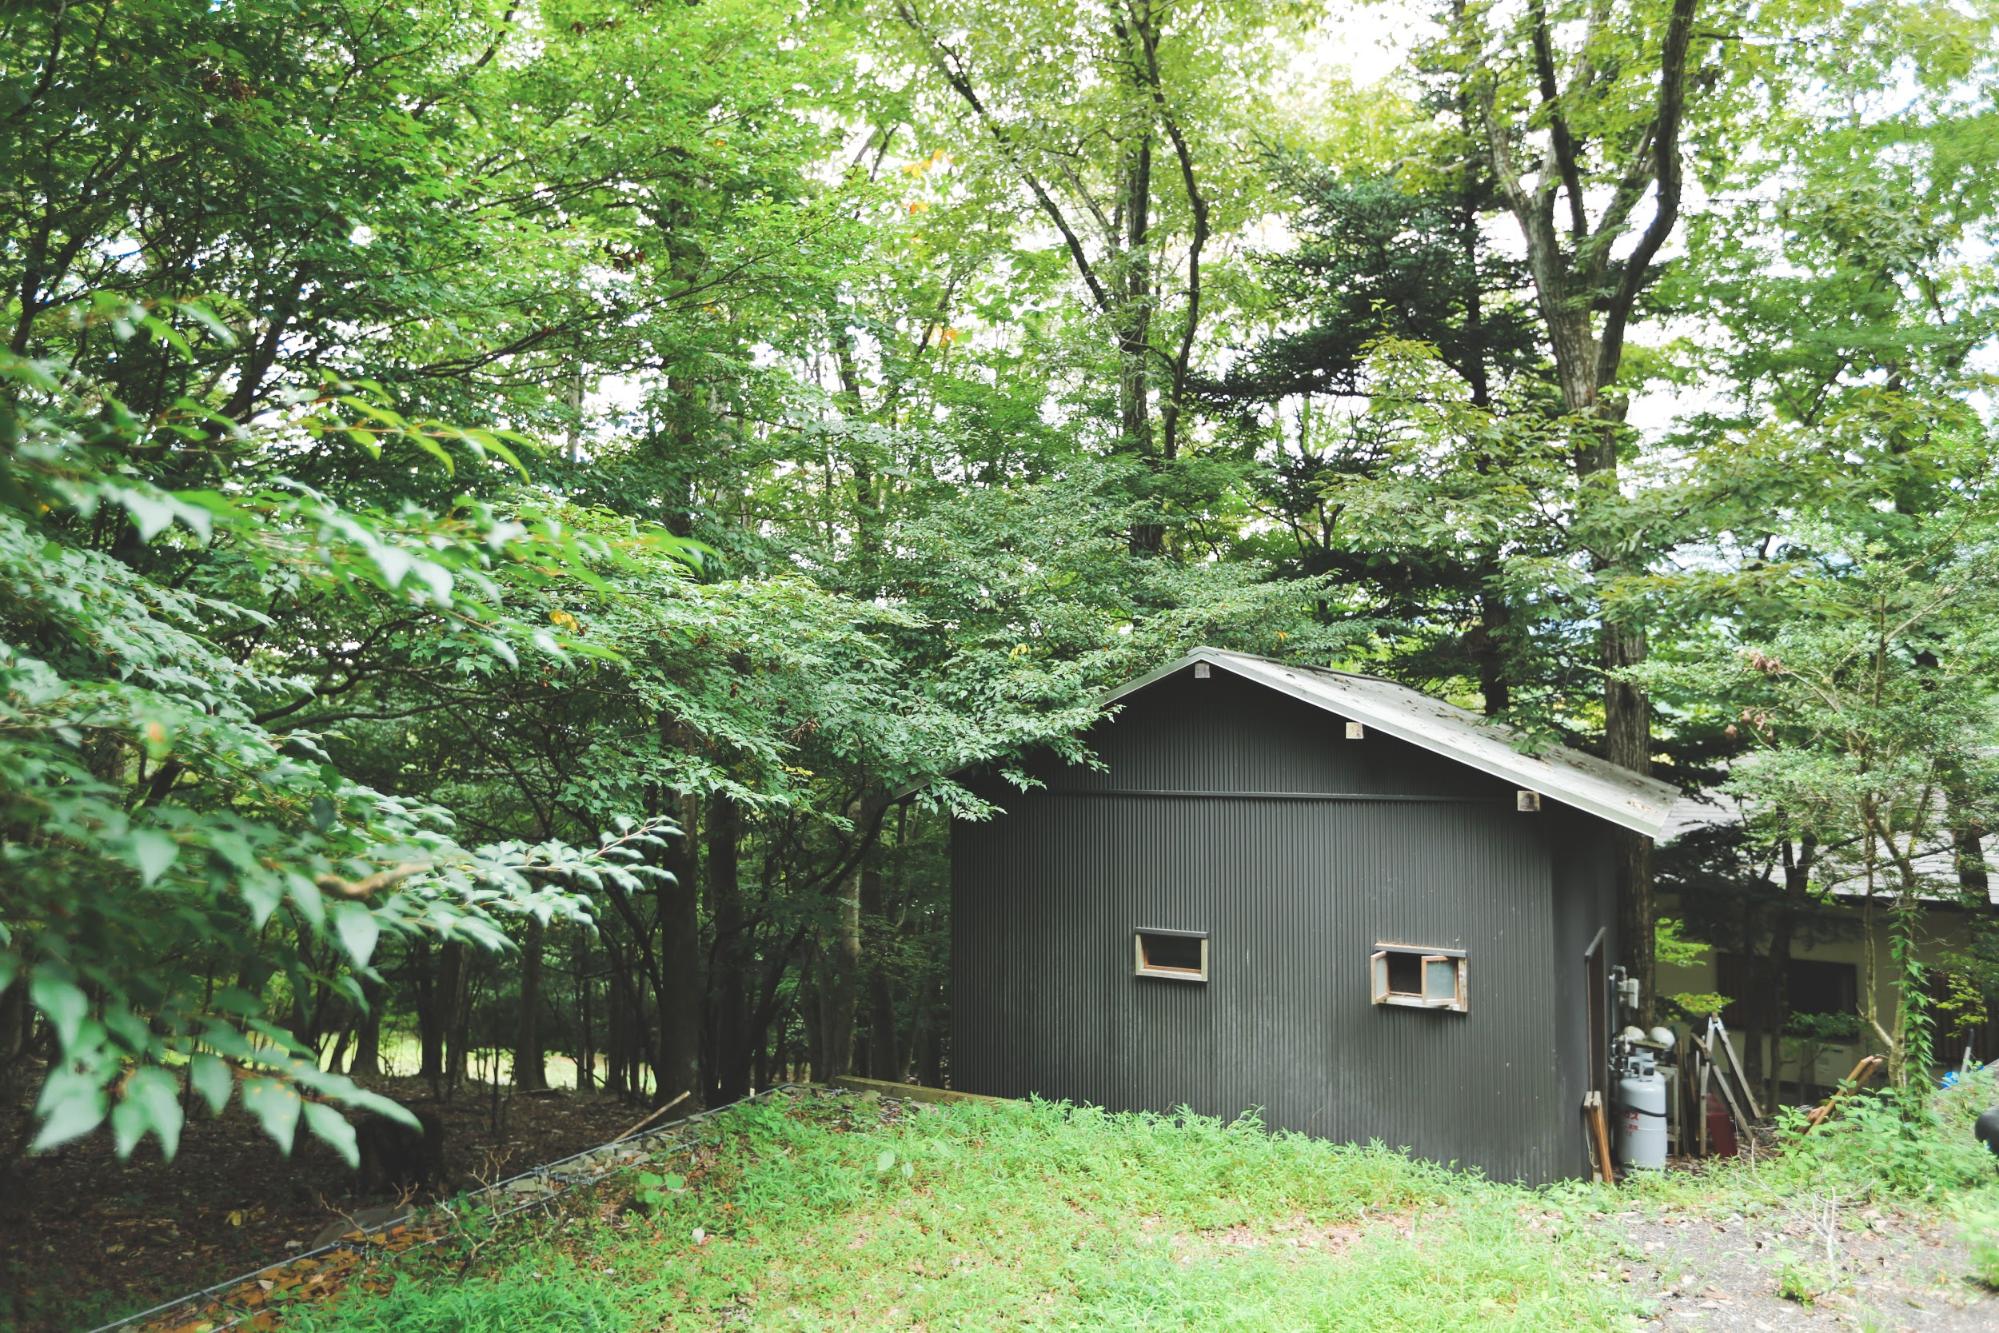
x=1641, y=1116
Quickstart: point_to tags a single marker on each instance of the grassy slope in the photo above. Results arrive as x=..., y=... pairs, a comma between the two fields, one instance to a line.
x=822, y=1211
x=830, y=1210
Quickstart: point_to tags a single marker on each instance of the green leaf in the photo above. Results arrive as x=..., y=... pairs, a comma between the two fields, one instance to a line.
x=63, y=1003
x=152, y=852
x=358, y=931
x=276, y=1107
x=435, y=450
x=311, y=902
x=393, y=562
x=151, y=1104
x=211, y=1078
x=263, y=896
x=71, y=1106
x=149, y=514
x=201, y=315
x=334, y=1130
x=884, y=1162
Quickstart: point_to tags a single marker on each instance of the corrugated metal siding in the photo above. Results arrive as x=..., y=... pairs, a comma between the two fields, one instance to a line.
x=1294, y=893
x=1227, y=734
x=1585, y=901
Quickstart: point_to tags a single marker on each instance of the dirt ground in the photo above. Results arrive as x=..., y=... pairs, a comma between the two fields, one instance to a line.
x=1813, y=1264
x=85, y=1237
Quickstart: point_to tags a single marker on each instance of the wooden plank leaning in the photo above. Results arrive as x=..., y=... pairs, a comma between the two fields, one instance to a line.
x=1600, y=1135
x=1863, y=1074
x=1700, y=1103
x=1742, y=1122
x=1717, y=1030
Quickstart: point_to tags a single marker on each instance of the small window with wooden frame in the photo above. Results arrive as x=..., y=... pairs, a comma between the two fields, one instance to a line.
x=1419, y=978
x=1170, y=955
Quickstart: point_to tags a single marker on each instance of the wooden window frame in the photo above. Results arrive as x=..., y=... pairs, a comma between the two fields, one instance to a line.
x=1458, y=1001
x=1143, y=967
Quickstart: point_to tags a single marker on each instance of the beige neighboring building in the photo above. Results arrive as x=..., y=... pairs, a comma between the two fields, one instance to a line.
x=1829, y=968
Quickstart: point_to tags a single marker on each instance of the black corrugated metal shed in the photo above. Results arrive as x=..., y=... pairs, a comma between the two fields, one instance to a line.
x=1304, y=824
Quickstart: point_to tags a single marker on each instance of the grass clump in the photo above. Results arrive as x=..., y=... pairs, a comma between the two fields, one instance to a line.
x=1980, y=1224
x=818, y=1211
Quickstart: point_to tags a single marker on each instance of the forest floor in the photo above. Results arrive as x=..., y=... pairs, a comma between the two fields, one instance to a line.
x=842, y=1210
x=85, y=1237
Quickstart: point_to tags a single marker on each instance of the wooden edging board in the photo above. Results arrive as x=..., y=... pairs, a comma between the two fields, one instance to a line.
x=915, y=1092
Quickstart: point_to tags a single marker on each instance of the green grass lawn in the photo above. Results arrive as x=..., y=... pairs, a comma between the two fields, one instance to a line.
x=826, y=1210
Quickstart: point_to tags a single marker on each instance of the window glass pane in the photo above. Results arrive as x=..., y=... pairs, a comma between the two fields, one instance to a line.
x=1176, y=951
x=1441, y=979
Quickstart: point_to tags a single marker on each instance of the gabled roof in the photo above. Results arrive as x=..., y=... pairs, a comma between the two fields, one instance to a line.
x=1589, y=784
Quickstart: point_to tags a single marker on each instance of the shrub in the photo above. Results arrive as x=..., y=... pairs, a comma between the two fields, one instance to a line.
x=1895, y=1142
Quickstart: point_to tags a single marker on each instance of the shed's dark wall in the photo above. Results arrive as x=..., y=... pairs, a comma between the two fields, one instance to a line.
x=1229, y=808
x=1585, y=903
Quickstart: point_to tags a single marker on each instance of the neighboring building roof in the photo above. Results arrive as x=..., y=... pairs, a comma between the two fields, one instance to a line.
x=1714, y=808
x=1589, y=784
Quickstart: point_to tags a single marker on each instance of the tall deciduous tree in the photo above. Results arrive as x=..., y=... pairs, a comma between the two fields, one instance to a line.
x=1583, y=110
x=1124, y=123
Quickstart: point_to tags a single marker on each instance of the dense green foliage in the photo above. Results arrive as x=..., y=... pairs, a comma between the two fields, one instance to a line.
x=486, y=480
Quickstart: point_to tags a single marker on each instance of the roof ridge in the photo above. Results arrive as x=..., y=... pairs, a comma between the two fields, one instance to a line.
x=1318, y=670
x=1574, y=777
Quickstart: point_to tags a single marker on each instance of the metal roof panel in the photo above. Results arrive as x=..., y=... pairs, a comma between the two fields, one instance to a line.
x=1584, y=782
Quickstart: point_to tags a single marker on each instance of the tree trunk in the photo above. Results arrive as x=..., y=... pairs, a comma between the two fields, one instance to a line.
x=1133, y=321
x=1777, y=1005
x=1974, y=878
x=14, y=1030
x=928, y=1035
x=430, y=1018
x=811, y=1049
x=340, y=1041
x=617, y=1022
x=1627, y=734
x=1586, y=302
x=1489, y=649
x=454, y=989
x=367, y=1062
x=678, y=1066
x=728, y=982
x=586, y=1034
x=530, y=1074
x=839, y=987
x=884, y=1059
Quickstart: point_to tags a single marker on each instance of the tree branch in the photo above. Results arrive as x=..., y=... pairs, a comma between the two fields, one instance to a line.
x=1665, y=136
x=1562, y=142
x=947, y=63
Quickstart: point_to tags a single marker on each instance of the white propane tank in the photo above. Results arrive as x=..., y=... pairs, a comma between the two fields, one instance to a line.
x=1641, y=1117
